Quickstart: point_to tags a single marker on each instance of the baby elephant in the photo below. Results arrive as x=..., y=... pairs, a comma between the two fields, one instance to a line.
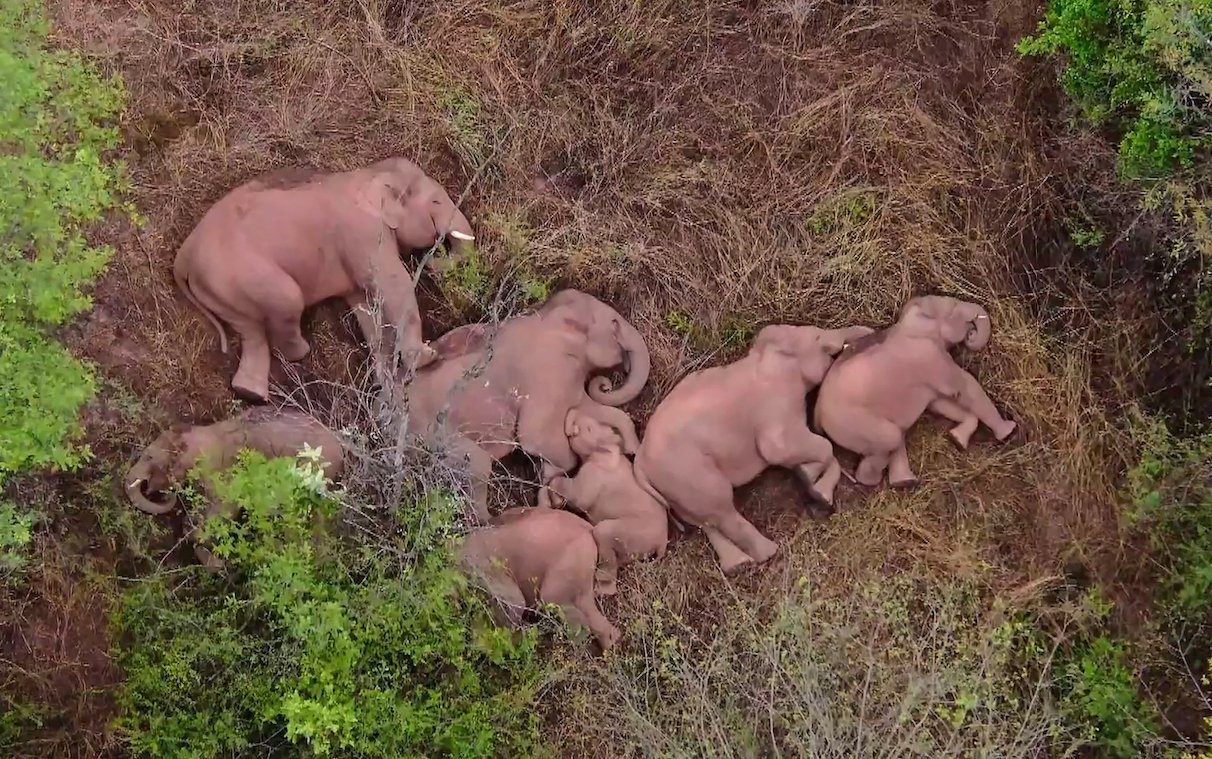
x=169, y=458
x=628, y=522
x=529, y=557
x=278, y=244
x=721, y=427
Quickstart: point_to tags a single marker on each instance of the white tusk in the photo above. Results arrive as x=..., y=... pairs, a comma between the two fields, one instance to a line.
x=135, y=483
x=456, y=234
x=982, y=316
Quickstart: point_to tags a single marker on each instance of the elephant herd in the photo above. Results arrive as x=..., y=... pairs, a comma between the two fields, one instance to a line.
x=283, y=242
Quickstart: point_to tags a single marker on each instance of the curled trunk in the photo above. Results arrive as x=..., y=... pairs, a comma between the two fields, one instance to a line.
x=136, y=484
x=636, y=362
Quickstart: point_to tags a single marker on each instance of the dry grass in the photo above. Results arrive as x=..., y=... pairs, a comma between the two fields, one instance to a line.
x=708, y=168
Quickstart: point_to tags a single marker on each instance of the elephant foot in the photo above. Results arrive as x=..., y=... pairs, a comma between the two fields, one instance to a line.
x=606, y=587
x=424, y=356
x=295, y=351
x=734, y=564
x=959, y=438
x=256, y=396
x=1011, y=433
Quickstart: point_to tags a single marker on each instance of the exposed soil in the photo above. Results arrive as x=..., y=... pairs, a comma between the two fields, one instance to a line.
x=713, y=164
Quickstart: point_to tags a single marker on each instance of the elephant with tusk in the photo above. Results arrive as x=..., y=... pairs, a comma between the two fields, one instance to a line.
x=165, y=462
x=719, y=428
x=491, y=392
x=882, y=384
x=277, y=245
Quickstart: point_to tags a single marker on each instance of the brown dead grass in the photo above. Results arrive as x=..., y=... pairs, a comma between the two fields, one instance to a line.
x=718, y=164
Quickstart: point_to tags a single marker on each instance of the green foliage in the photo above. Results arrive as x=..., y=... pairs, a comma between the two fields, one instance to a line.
x=56, y=121
x=1140, y=66
x=313, y=642
x=845, y=211
x=1100, y=694
x=1171, y=492
x=17, y=719
x=16, y=532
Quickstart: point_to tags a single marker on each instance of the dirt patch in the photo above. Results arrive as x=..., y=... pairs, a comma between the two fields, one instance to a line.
x=708, y=168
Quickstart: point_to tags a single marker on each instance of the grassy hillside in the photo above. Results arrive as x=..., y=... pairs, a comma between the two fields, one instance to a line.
x=708, y=168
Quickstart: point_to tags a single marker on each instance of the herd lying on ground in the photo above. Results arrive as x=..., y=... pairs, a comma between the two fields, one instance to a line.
x=283, y=242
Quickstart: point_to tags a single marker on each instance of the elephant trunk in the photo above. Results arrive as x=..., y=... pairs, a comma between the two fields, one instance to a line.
x=138, y=479
x=980, y=327
x=636, y=362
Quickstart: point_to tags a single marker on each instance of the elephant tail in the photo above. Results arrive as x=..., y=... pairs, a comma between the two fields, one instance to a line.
x=182, y=277
x=642, y=480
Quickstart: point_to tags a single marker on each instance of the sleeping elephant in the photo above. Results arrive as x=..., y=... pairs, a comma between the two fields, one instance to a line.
x=278, y=244
x=166, y=461
x=530, y=557
x=882, y=384
x=719, y=428
x=495, y=391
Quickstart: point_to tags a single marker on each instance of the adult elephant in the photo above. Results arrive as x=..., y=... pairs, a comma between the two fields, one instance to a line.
x=721, y=427
x=880, y=385
x=283, y=242
x=491, y=392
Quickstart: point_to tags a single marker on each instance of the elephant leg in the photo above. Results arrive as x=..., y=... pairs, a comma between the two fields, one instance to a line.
x=973, y=397
x=251, y=380
x=283, y=310
x=965, y=421
x=900, y=475
x=730, y=557
x=806, y=452
x=463, y=452
x=610, y=544
x=741, y=532
x=871, y=468
x=568, y=583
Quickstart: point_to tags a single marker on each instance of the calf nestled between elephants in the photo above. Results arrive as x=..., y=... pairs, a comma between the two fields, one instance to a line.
x=494, y=391
x=269, y=249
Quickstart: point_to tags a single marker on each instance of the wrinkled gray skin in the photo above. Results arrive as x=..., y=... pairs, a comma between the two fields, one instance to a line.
x=880, y=386
x=628, y=523
x=492, y=392
x=721, y=427
x=165, y=463
x=283, y=242
x=530, y=557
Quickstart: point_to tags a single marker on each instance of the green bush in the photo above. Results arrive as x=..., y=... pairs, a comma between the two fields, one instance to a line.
x=318, y=642
x=1100, y=693
x=56, y=119
x=16, y=532
x=1140, y=66
x=1171, y=492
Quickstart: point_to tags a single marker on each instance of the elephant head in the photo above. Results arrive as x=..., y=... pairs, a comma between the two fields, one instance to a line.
x=610, y=341
x=948, y=320
x=810, y=349
x=162, y=465
x=416, y=207
x=587, y=435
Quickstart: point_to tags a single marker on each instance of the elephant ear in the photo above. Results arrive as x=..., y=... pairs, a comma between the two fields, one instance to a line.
x=571, y=428
x=383, y=199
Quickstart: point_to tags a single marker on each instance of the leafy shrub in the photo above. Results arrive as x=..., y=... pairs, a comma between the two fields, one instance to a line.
x=1100, y=693
x=1140, y=66
x=316, y=642
x=1171, y=490
x=55, y=129
x=15, y=534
